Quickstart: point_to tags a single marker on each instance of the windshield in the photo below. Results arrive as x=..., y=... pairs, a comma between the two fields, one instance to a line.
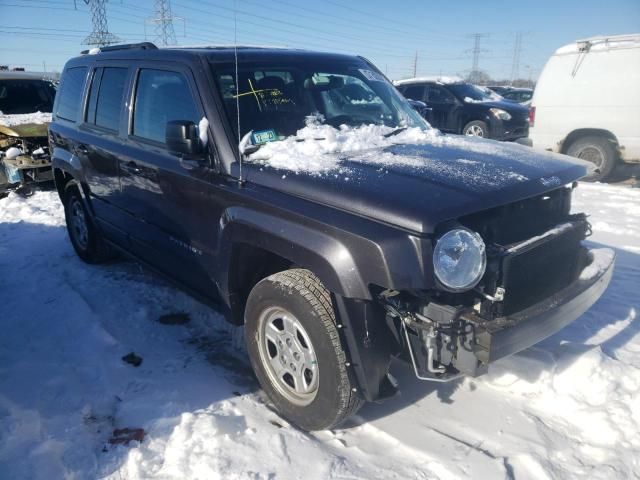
x=26, y=96
x=466, y=91
x=275, y=102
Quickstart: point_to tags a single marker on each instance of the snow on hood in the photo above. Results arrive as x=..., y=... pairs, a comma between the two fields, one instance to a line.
x=315, y=149
x=321, y=149
x=24, y=118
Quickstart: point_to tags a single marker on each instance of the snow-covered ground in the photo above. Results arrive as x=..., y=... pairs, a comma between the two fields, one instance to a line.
x=23, y=118
x=567, y=408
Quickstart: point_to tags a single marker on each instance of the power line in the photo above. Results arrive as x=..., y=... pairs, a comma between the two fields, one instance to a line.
x=474, y=75
x=100, y=36
x=517, y=50
x=165, y=34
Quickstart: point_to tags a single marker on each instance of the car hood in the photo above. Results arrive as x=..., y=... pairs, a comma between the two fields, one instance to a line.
x=509, y=106
x=417, y=187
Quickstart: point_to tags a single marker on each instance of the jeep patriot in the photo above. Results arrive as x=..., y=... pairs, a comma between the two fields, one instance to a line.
x=302, y=196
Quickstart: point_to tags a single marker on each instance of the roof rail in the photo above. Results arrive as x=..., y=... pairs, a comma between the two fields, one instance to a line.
x=123, y=46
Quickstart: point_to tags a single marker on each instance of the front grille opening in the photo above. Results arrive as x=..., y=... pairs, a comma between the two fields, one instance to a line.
x=521, y=220
x=532, y=276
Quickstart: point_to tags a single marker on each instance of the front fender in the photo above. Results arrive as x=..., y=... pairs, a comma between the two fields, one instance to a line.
x=301, y=244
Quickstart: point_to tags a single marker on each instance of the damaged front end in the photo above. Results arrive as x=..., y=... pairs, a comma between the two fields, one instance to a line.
x=24, y=157
x=537, y=280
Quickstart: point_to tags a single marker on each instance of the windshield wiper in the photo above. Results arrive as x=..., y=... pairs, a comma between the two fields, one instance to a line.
x=395, y=132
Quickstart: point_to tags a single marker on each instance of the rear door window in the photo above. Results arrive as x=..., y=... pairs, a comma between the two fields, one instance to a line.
x=161, y=96
x=414, y=92
x=437, y=94
x=69, y=97
x=106, y=97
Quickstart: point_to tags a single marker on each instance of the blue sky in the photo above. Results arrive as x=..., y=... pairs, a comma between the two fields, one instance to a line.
x=387, y=32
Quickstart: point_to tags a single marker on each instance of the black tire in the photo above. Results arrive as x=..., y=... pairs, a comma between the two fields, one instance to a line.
x=476, y=128
x=89, y=246
x=597, y=150
x=301, y=293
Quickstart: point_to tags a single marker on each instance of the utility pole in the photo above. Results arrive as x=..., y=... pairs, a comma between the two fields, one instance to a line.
x=100, y=36
x=517, y=50
x=474, y=76
x=165, y=33
x=415, y=65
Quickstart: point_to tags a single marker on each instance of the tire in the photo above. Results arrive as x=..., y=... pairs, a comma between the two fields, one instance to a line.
x=86, y=240
x=597, y=150
x=294, y=309
x=476, y=128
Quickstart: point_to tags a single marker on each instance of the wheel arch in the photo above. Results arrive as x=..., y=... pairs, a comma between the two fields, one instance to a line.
x=587, y=132
x=254, y=245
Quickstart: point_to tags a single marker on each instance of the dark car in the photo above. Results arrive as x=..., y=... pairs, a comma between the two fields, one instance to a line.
x=462, y=108
x=518, y=95
x=301, y=195
x=500, y=89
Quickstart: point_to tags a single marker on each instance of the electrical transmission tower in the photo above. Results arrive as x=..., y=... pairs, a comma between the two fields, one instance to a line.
x=517, y=50
x=165, y=34
x=474, y=75
x=100, y=36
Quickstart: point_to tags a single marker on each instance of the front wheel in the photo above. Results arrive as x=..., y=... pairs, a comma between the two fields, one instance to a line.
x=295, y=350
x=476, y=128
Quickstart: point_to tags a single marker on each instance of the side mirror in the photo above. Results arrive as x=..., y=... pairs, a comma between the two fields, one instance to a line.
x=182, y=137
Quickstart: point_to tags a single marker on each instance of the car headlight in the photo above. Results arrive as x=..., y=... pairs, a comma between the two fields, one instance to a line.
x=501, y=114
x=459, y=259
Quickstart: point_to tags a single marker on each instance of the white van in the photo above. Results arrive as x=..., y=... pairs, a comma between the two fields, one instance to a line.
x=587, y=102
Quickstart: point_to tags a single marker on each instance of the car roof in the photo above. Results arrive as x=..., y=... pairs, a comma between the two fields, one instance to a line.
x=214, y=53
x=601, y=43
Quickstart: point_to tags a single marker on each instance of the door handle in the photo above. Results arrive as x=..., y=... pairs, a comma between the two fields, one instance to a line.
x=132, y=168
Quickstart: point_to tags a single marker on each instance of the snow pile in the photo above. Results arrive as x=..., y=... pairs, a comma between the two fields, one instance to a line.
x=316, y=147
x=442, y=79
x=24, y=118
x=320, y=149
x=567, y=408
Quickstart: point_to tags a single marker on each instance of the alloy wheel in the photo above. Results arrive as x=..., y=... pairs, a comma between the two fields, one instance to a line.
x=288, y=355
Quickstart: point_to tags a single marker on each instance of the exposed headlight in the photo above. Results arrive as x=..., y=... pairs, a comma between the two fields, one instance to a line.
x=501, y=114
x=459, y=259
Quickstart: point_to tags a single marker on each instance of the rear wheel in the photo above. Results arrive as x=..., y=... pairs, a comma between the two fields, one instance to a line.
x=476, y=128
x=597, y=150
x=84, y=237
x=295, y=350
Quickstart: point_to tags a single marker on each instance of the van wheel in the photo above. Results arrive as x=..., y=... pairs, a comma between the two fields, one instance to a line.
x=476, y=128
x=84, y=237
x=295, y=350
x=597, y=150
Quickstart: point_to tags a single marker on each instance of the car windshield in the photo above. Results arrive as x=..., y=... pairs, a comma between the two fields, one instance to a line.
x=468, y=91
x=275, y=102
x=18, y=96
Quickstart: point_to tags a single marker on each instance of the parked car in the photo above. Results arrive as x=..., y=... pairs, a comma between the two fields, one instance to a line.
x=587, y=102
x=519, y=95
x=500, y=89
x=341, y=231
x=26, y=102
x=455, y=106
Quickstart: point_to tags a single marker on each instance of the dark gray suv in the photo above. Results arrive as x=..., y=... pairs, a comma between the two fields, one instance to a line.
x=300, y=194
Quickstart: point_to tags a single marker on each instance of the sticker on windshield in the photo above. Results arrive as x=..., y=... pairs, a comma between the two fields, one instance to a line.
x=264, y=136
x=372, y=76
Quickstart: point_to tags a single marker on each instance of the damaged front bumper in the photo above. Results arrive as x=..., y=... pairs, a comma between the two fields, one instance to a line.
x=443, y=342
